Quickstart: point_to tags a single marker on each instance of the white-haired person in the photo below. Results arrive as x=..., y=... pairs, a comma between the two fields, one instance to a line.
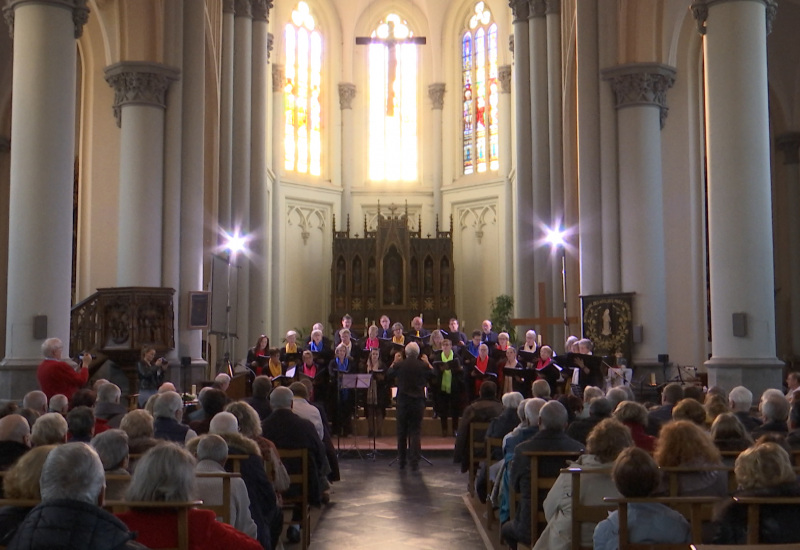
x=108, y=411
x=56, y=375
x=166, y=474
x=138, y=424
x=168, y=412
x=59, y=403
x=112, y=447
x=35, y=400
x=212, y=454
x=70, y=515
x=291, y=351
x=49, y=429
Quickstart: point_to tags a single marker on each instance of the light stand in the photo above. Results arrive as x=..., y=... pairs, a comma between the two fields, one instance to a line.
x=555, y=237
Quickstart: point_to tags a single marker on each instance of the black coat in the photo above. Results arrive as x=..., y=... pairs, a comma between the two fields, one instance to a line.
x=778, y=523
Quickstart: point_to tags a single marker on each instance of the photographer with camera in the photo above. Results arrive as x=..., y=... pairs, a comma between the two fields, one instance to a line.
x=56, y=375
x=151, y=374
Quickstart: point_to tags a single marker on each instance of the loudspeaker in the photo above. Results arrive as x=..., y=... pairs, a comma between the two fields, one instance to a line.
x=663, y=358
x=638, y=334
x=740, y=324
x=186, y=361
x=39, y=327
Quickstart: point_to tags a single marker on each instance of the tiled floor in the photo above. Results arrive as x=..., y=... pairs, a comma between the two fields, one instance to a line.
x=377, y=506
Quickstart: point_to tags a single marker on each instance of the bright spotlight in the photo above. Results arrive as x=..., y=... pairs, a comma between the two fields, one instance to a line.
x=235, y=243
x=555, y=237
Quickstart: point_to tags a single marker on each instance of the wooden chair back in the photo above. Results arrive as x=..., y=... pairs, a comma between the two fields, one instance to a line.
x=236, y=462
x=117, y=484
x=540, y=482
x=754, y=505
x=749, y=547
x=297, y=496
x=223, y=510
x=182, y=516
x=492, y=444
x=477, y=450
x=585, y=513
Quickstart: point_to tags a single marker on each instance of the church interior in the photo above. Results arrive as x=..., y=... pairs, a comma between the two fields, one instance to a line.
x=138, y=137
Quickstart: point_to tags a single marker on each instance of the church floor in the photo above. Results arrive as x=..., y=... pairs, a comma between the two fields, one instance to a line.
x=379, y=506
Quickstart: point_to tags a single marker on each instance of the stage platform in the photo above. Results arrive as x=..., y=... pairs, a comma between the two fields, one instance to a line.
x=388, y=444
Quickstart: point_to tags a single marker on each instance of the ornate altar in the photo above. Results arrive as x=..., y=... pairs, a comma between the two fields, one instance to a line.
x=392, y=270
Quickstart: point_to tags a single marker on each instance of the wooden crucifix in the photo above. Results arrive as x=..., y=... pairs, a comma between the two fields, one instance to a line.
x=543, y=319
x=390, y=42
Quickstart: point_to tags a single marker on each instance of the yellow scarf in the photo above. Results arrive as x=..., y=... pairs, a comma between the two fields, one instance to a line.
x=275, y=368
x=447, y=374
x=399, y=340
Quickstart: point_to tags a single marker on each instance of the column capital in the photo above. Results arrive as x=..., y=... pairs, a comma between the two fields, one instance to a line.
x=270, y=45
x=139, y=83
x=552, y=7
x=277, y=78
x=261, y=9
x=520, y=9
x=504, y=76
x=243, y=8
x=228, y=6
x=638, y=84
x=436, y=93
x=5, y=144
x=789, y=145
x=80, y=13
x=347, y=91
x=700, y=11
x=537, y=9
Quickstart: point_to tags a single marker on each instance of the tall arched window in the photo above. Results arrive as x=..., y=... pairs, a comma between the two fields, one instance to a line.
x=481, y=92
x=392, y=103
x=303, y=131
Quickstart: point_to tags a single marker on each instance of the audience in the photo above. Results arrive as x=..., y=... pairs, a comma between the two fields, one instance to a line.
x=634, y=416
x=59, y=403
x=168, y=412
x=793, y=437
x=15, y=439
x=740, y=400
x=715, y=405
x=775, y=413
x=138, y=424
x=691, y=410
x=262, y=386
x=80, y=423
x=213, y=401
x=729, y=434
x=21, y=482
x=684, y=443
x=35, y=400
x=112, y=448
x=483, y=409
x=50, y=429
x=599, y=410
x=108, y=411
x=671, y=395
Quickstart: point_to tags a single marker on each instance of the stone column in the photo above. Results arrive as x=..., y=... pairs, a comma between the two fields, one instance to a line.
x=347, y=92
x=42, y=167
x=739, y=190
x=240, y=166
x=226, y=117
x=259, y=217
x=789, y=145
x=641, y=93
x=523, y=193
x=436, y=94
x=278, y=156
x=555, y=137
x=504, y=142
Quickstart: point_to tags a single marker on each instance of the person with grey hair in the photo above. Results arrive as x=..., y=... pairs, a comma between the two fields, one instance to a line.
x=212, y=453
x=304, y=409
x=112, y=447
x=58, y=376
x=740, y=400
x=499, y=427
x=15, y=439
x=615, y=396
x=72, y=485
x=167, y=474
x=35, y=400
x=168, y=412
x=550, y=437
x=108, y=411
x=49, y=429
x=222, y=381
x=262, y=386
x=775, y=412
x=59, y=404
x=411, y=376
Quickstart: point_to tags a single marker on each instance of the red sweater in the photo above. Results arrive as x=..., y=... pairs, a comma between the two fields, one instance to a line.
x=59, y=377
x=158, y=529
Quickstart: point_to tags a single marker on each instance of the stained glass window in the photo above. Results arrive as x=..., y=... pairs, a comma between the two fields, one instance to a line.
x=302, y=134
x=481, y=92
x=392, y=103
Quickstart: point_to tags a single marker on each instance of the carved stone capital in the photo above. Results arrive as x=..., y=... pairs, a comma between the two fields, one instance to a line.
x=552, y=7
x=538, y=8
x=347, y=91
x=520, y=9
x=261, y=9
x=436, y=93
x=278, y=80
x=700, y=12
x=243, y=8
x=139, y=83
x=504, y=76
x=80, y=13
x=789, y=145
x=5, y=144
x=228, y=7
x=270, y=45
x=640, y=84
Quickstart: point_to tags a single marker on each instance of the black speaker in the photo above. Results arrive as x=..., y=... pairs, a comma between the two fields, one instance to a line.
x=39, y=327
x=663, y=358
x=186, y=361
x=739, y=324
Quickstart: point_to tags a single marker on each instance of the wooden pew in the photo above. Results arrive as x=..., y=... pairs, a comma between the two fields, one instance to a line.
x=754, y=512
x=477, y=451
x=492, y=444
x=542, y=483
x=222, y=510
x=585, y=513
x=182, y=516
x=296, y=463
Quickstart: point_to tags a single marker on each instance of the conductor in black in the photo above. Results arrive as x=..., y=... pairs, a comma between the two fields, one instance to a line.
x=411, y=376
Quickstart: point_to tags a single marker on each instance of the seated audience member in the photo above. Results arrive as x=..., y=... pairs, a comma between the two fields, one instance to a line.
x=166, y=474
x=80, y=423
x=302, y=408
x=636, y=475
x=670, y=397
x=764, y=470
x=167, y=386
x=58, y=376
x=9, y=408
x=590, y=393
x=70, y=516
x=58, y=404
x=263, y=500
x=728, y=434
x=503, y=424
x=108, y=411
x=84, y=397
x=112, y=448
x=35, y=400
x=550, y=437
x=615, y=396
x=484, y=409
x=262, y=385
x=599, y=410
x=541, y=389
x=740, y=400
x=198, y=413
x=573, y=404
x=327, y=441
x=212, y=453
x=605, y=442
x=21, y=482
x=250, y=427
x=684, y=443
x=213, y=401
x=634, y=416
x=694, y=392
x=50, y=429
x=691, y=410
x=792, y=385
x=715, y=405
x=168, y=412
x=222, y=382
x=15, y=439
x=138, y=424
x=29, y=415
x=775, y=413
x=793, y=437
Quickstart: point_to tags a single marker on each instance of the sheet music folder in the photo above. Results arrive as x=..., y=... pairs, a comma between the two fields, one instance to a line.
x=355, y=381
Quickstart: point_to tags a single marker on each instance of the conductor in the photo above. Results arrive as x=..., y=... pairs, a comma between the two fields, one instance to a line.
x=411, y=376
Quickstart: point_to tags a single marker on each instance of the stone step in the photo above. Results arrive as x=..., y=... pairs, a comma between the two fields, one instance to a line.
x=430, y=426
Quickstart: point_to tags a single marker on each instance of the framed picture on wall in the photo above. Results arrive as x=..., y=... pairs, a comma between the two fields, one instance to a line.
x=199, y=309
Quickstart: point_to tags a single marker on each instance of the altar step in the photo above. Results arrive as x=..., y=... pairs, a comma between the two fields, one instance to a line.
x=431, y=427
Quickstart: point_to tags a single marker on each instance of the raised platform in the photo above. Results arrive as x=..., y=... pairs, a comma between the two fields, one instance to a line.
x=388, y=444
x=431, y=427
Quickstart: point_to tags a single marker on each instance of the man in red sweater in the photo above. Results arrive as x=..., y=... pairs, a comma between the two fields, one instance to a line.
x=57, y=376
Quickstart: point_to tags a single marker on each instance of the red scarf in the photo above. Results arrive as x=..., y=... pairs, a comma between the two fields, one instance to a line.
x=482, y=364
x=540, y=365
x=372, y=343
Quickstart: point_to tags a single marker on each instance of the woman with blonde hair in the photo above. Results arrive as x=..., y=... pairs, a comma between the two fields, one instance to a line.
x=729, y=434
x=21, y=482
x=684, y=443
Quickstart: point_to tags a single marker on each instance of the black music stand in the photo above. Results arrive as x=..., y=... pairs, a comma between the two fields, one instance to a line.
x=353, y=382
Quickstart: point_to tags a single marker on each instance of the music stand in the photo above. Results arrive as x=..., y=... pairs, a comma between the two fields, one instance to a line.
x=353, y=382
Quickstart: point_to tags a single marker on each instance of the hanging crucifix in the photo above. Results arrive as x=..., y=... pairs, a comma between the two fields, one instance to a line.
x=391, y=42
